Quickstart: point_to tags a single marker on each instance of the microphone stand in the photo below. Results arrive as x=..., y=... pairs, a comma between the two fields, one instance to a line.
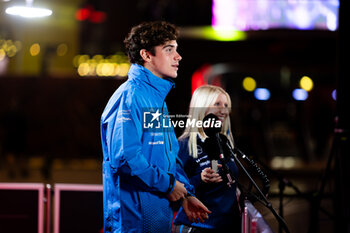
x=264, y=199
x=283, y=182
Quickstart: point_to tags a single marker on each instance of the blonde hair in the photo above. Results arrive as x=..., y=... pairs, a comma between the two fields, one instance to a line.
x=202, y=98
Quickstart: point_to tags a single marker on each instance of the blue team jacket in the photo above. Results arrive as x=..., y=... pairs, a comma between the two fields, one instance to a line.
x=139, y=166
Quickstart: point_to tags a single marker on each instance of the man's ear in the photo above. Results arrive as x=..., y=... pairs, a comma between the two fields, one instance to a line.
x=145, y=55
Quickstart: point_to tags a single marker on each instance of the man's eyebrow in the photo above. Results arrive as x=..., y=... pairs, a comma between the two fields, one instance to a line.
x=169, y=45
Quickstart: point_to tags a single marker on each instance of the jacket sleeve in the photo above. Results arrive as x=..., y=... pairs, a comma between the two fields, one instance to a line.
x=187, y=164
x=182, y=177
x=126, y=148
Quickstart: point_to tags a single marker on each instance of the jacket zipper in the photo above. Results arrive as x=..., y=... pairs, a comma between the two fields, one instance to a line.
x=167, y=133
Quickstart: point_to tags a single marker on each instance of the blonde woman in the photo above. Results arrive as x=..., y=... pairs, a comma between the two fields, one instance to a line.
x=210, y=186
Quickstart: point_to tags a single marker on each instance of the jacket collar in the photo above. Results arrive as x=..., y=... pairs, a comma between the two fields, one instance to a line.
x=141, y=74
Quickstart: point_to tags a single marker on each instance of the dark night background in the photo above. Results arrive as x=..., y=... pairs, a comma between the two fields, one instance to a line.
x=53, y=119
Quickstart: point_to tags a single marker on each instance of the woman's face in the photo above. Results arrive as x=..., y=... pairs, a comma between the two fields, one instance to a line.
x=219, y=108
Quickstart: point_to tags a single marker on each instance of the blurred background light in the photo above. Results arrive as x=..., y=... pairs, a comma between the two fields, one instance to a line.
x=2, y=54
x=334, y=94
x=28, y=12
x=213, y=33
x=249, y=84
x=98, y=58
x=115, y=65
x=223, y=34
x=89, y=13
x=301, y=17
x=262, y=94
x=9, y=48
x=306, y=83
x=300, y=94
x=124, y=69
x=277, y=162
x=34, y=49
x=62, y=49
x=287, y=162
x=262, y=15
x=83, y=69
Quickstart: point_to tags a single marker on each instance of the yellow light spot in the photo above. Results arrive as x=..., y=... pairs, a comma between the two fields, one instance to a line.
x=11, y=51
x=62, y=49
x=277, y=162
x=306, y=83
x=83, y=59
x=109, y=69
x=223, y=34
x=7, y=45
x=249, y=84
x=83, y=69
x=34, y=49
x=105, y=69
x=2, y=54
x=110, y=66
x=98, y=58
x=116, y=69
x=213, y=33
x=76, y=61
x=92, y=68
x=99, y=69
x=123, y=69
x=289, y=162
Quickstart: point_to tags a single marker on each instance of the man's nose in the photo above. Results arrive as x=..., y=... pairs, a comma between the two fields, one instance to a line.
x=178, y=57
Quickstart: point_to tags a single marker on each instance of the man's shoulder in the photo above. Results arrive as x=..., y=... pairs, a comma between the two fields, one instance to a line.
x=133, y=92
x=131, y=95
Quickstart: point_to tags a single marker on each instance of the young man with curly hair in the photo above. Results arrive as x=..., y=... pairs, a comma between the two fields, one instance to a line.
x=141, y=177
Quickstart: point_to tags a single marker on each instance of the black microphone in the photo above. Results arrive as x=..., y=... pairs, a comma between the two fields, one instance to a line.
x=212, y=145
x=211, y=125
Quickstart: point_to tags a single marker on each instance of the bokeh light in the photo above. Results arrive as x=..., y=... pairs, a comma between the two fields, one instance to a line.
x=281, y=162
x=306, y=83
x=62, y=49
x=9, y=48
x=2, y=54
x=249, y=84
x=115, y=65
x=262, y=94
x=300, y=94
x=34, y=49
x=334, y=94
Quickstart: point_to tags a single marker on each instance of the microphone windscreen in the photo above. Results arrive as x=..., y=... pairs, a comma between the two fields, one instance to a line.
x=211, y=148
x=210, y=126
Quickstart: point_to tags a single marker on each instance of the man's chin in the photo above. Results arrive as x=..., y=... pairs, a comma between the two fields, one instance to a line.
x=173, y=76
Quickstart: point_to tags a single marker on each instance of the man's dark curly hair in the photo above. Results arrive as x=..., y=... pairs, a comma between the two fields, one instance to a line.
x=147, y=35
